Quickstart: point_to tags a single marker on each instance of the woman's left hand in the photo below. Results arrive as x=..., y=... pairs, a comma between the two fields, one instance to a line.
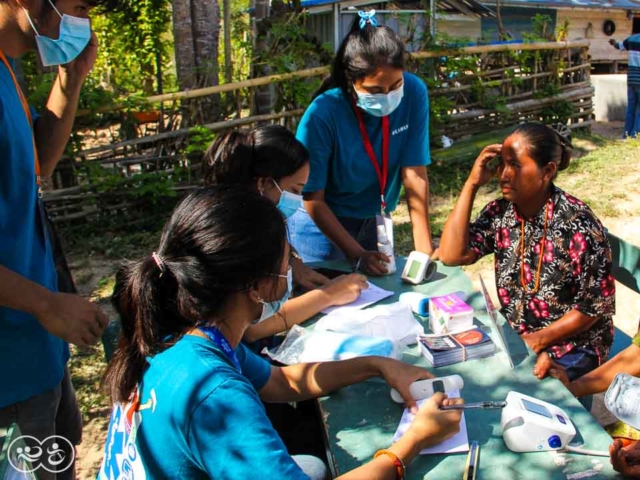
x=400, y=376
x=306, y=277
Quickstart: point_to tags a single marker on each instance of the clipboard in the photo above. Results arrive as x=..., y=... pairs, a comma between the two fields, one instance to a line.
x=493, y=316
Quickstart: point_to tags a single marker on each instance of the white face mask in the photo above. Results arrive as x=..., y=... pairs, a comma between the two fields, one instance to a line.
x=380, y=104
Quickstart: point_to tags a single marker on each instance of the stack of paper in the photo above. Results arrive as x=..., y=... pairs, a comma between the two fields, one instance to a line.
x=458, y=443
x=446, y=349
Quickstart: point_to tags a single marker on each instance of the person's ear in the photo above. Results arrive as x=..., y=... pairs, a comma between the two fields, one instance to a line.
x=549, y=171
x=261, y=184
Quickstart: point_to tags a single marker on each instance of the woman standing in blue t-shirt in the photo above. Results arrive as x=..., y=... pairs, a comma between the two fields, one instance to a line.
x=186, y=392
x=367, y=132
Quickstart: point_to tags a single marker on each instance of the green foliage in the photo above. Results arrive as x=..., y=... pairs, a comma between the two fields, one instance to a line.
x=199, y=140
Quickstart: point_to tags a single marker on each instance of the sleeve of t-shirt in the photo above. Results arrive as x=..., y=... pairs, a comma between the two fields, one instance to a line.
x=417, y=152
x=482, y=237
x=255, y=368
x=315, y=134
x=231, y=436
x=591, y=261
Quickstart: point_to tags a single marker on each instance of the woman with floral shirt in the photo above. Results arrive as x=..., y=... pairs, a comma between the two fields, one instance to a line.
x=552, y=257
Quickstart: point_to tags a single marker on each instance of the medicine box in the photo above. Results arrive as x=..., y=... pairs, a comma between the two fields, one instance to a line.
x=448, y=313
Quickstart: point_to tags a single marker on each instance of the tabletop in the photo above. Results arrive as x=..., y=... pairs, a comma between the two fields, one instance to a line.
x=361, y=419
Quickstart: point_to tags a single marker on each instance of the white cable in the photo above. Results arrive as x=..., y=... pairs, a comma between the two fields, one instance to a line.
x=584, y=451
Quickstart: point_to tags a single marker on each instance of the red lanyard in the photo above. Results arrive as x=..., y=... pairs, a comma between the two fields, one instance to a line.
x=381, y=172
x=27, y=112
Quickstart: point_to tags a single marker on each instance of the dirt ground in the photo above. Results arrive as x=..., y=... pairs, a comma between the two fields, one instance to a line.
x=91, y=272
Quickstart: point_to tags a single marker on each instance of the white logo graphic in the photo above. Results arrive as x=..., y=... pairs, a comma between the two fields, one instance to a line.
x=27, y=454
x=400, y=130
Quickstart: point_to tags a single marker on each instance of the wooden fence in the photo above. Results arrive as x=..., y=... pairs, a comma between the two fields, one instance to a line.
x=500, y=85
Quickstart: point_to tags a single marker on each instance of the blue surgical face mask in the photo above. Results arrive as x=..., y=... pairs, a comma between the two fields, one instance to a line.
x=289, y=202
x=75, y=34
x=269, y=309
x=380, y=104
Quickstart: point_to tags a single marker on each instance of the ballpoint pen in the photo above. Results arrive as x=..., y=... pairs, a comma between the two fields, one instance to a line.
x=487, y=405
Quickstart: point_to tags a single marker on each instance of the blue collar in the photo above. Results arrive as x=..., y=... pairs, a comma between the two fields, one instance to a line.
x=216, y=337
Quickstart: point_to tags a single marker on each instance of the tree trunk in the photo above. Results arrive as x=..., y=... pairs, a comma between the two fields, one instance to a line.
x=228, y=68
x=502, y=34
x=196, y=31
x=264, y=97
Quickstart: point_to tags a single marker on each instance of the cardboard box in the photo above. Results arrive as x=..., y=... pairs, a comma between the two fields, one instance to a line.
x=448, y=313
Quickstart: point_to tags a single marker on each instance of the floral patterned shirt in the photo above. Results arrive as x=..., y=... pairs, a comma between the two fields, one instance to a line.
x=575, y=273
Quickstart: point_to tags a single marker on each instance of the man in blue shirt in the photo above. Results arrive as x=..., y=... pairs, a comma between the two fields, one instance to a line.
x=36, y=321
x=632, y=120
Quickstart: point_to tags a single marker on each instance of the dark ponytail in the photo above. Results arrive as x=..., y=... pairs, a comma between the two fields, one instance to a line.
x=361, y=53
x=547, y=144
x=243, y=157
x=219, y=241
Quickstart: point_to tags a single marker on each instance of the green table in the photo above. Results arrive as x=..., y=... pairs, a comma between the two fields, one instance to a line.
x=361, y=419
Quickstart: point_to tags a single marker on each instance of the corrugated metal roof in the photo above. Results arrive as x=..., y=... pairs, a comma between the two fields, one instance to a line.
x=467, y=7
x=633, y=5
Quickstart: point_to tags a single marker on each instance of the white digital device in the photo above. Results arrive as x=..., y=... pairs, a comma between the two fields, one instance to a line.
x=418, y=268
x=531, y=425
x=493, y=316
x=426, y=388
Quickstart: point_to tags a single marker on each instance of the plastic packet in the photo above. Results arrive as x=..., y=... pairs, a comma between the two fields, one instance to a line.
x=394, y=321
x=623, y=399
x=303, y=346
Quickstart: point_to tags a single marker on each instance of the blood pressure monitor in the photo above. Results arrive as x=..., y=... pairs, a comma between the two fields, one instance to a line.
x=418, y=268
x=531, y=425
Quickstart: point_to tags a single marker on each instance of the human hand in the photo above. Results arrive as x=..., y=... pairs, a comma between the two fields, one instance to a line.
x=345, y=288
x=73, y=74
x=559, y=372
x=435, y=254
x=306, y=277
x=542, y=366
x=613, y=43
x=73, y=319
x=482, y=171
x=401, y=376
x=372, y=263
x=431, y=425
x=625, y=460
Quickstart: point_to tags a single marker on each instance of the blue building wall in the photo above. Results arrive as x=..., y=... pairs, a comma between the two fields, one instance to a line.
x=516, y=21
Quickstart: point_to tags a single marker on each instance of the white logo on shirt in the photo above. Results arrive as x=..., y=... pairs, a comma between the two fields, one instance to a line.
x=401, y=129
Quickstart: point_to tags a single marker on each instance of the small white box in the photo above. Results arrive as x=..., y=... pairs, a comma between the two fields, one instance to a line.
x=448, y=313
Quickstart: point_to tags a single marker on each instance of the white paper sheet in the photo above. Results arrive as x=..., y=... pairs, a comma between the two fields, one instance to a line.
x=368, y=297
x=458, y=443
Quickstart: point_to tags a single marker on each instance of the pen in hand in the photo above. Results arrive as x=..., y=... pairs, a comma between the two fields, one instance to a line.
x=487, y=405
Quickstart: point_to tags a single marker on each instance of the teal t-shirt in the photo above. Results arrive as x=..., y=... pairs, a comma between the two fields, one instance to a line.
x=196, y=416
x=339, y=162
x=32, y=360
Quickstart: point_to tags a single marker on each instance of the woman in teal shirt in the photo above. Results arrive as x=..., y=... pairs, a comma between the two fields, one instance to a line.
x=367, y=133
x=186, y=392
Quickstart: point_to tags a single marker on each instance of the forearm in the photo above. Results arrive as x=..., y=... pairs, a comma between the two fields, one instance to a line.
x=416, y=185
x=569, y=325
x=333, y=229
x=53, y=127
x=454, y=244
x=383, y=468
x=20, y=293
x=310, y=380
x=293, y=312
x=598, y=380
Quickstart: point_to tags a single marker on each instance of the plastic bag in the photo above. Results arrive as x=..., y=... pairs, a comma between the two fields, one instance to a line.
x=394, y=321
x=302, y=346
x=623, y=399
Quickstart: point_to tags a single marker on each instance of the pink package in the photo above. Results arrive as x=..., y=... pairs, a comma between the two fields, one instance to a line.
x=449, y=313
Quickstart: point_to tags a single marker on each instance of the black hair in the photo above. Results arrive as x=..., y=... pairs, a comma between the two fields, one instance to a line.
x=547, y=144
x=243, y=157
x=218, y=241
x=361, y=53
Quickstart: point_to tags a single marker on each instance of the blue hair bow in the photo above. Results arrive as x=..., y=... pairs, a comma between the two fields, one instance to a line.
x=367, y=17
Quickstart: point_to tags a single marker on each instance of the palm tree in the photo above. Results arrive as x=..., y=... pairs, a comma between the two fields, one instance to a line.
x=196, y=31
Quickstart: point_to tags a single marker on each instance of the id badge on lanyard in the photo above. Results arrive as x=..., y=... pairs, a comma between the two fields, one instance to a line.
x=382, y=171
